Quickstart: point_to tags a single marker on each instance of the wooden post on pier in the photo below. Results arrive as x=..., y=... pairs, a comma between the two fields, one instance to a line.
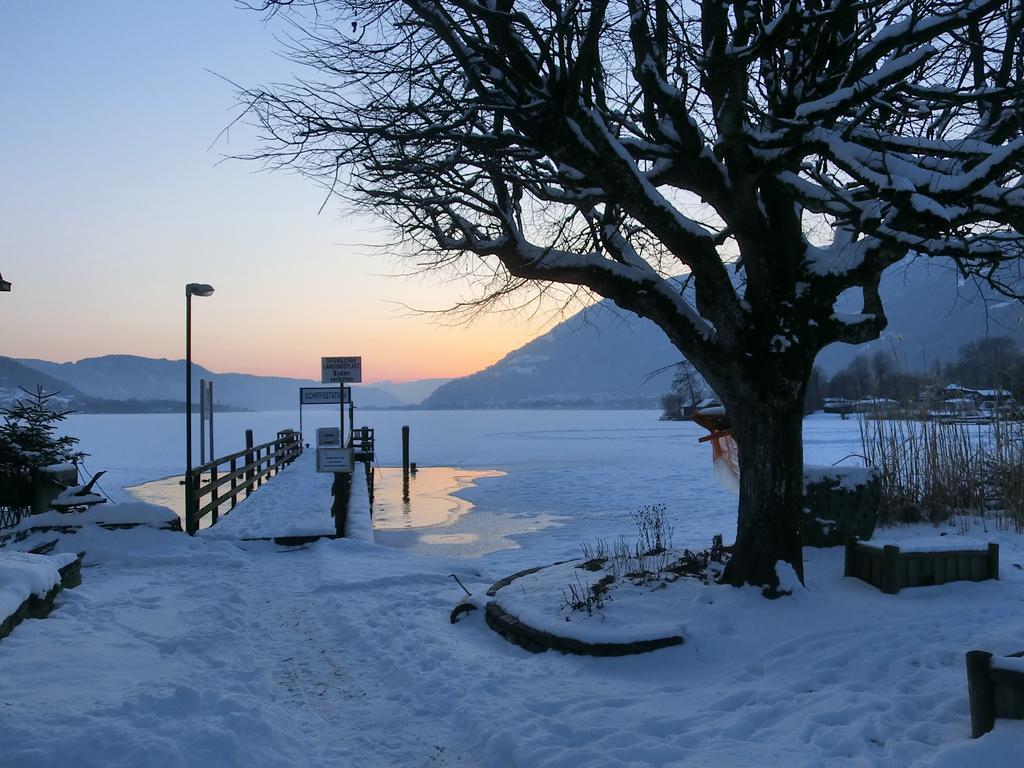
x=340, y=489
x=248, y=460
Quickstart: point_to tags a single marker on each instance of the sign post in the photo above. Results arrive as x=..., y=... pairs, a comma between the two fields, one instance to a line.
x=339, y=461
x=341, y=371
x=322, y=396
x=205, y=415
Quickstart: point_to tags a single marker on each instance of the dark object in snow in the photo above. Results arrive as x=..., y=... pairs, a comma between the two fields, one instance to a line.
x=464, y=606
x=995, y=686
x=839, y=503
x=80, y=497
x=889, y=569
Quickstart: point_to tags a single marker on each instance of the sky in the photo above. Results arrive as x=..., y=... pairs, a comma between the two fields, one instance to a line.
x=115, y=192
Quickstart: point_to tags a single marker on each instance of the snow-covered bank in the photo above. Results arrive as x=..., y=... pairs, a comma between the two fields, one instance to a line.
x=212, y=651
x=23, y=575
x=186, y=652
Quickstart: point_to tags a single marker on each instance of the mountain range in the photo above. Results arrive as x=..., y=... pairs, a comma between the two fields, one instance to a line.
x=599, y=358
x=605, y=357
x=132, y=383
x=602, y=357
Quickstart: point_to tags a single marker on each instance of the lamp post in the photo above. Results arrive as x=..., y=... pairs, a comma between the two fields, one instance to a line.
x=192, y=289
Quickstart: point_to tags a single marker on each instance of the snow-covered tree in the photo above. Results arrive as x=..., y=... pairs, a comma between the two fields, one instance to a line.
x=28, y=442
x=775, y=153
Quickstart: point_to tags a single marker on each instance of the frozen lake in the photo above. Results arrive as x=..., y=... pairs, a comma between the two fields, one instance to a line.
x=208, y=650
x=558, y=465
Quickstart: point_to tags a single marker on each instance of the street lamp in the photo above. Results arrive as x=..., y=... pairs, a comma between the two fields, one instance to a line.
x=4, y=285
x=192, y=289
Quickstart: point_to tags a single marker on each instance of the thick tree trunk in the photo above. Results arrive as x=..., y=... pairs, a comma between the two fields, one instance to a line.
x=769, y=438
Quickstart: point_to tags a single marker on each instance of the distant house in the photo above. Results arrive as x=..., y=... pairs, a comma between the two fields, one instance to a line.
x=957, y=400
x=875, y=406
x=837, y=405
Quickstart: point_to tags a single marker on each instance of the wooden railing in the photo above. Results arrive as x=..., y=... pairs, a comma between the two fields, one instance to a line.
x=246, y=471
x=362, y=443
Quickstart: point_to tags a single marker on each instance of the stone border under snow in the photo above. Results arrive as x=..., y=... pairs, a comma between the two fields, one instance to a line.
x=535, y=640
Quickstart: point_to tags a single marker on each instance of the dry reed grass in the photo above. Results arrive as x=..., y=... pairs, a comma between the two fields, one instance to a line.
x=946, y=471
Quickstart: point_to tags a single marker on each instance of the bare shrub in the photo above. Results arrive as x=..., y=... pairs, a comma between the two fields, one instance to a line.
x=586, y=597
x=654, y=531
x=648, y=560
x=700, y=565
x=595, y=555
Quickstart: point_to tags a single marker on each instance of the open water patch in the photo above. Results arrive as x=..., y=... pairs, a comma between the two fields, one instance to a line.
x=422, y=499
x=426, y=514
x=169, y=492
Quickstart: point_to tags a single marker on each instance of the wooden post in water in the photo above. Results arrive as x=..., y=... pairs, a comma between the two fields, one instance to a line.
x=405, y=464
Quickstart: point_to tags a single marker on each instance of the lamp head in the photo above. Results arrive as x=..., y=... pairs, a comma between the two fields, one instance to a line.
x=4, y=285
x=198, y=289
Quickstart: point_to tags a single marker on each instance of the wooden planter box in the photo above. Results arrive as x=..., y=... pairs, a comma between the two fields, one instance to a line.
x=890, y=569
x=995, y=689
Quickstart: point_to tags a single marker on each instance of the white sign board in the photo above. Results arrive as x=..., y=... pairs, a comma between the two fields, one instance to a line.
x=334, y=460
x=328, y=437
x=323, y=395
x=341, y=370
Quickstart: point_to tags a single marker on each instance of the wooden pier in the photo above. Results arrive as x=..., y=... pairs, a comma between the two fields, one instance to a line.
x=237, y=473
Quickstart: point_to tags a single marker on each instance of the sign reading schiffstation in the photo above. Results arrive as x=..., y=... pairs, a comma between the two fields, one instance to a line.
x=323, y=395
x=341, y=370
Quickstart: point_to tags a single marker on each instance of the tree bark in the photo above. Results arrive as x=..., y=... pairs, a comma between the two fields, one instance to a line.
x=768, y=430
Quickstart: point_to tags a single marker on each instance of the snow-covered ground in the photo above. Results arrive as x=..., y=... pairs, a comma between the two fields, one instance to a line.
x=23, y=575
x=212, y=651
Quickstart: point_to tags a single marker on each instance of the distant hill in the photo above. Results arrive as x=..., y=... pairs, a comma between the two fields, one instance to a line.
x=128, y=377
x=410, y=392
x=599, y=358
x=932, y=313
x=602, y=357
x=14, y=377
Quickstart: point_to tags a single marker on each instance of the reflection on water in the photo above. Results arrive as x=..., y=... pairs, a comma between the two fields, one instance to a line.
x=426, y=500
x=167, y=492
x=449, y=538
